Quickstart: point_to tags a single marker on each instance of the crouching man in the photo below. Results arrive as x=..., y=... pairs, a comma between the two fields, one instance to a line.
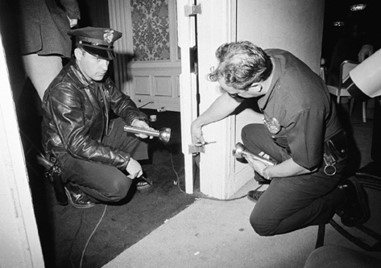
x=99, y=161
x=300, y=131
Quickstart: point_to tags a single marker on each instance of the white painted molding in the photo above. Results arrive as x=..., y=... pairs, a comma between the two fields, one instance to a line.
x=20, y=245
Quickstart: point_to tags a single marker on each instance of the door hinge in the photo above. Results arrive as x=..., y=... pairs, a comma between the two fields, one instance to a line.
x=192, y=10
x=193, y=59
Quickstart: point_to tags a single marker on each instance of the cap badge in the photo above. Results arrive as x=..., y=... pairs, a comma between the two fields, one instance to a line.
x=272, y=124
x=108, y=36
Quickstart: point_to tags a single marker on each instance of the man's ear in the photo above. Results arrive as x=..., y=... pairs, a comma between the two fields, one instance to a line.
x=78, y=53
x=256, y=87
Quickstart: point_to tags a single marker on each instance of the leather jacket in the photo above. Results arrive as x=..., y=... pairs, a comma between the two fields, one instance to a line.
x=76, y=116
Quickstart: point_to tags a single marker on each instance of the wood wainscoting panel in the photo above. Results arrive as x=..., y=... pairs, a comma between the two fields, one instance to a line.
x=163, y=86
x=142, y=85
x=155, y=85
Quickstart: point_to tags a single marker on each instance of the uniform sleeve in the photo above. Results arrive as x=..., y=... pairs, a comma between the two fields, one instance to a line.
x=305, y=136
x=122, y=105
x=67, y=114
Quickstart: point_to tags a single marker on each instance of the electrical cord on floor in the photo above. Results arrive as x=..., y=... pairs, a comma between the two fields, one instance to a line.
x=91, y=235
x=200, y=195
x=74, y=239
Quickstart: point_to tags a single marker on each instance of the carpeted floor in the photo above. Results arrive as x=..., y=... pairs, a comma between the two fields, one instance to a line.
x=73, y=237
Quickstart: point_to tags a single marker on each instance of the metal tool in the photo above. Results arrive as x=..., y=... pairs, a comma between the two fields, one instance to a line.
x=204, y=143
x=163, y=134
x=240, y=151
x=198, y=147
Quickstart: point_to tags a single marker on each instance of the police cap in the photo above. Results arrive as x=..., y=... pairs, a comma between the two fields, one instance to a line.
x=96, y=41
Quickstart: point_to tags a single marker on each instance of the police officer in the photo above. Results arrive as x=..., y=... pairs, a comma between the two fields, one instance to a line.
x=99, y=161
x=300, y=132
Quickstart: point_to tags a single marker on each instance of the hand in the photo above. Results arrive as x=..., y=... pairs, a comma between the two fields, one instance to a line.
x=365, y=52
x=72, y=22
x=134, y=169
x=197, y=137
x=141, y=124
x=258, y=166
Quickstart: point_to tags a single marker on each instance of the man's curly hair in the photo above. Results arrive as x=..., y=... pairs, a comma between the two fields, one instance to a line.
x=241, y=64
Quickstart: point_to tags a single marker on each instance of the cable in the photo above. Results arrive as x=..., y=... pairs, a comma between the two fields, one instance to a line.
x=145, y=104
x=201, y=196
x=91, y=235
x=75, y=237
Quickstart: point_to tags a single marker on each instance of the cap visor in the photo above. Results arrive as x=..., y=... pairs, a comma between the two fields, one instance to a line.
x=102, y=53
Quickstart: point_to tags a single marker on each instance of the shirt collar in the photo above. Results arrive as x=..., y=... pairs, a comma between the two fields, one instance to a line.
x=277, y=71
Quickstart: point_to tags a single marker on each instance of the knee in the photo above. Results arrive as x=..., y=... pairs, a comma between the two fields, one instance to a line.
x=245, y=133
x=118, y=189
x=248, y=130
x=262, y=226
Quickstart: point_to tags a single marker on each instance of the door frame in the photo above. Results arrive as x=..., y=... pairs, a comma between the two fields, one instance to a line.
x=20, y=242
x=215, y=24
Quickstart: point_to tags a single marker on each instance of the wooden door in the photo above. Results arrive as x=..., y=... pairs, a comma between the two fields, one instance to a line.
x=205, y=24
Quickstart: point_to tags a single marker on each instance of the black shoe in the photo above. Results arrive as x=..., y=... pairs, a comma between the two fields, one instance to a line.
x=260, y=179
x=254, y=195
x=77, y=197
x=356, y=208
x=143, y=183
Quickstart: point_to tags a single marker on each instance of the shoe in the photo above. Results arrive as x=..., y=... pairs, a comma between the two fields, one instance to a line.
x=355, y=210
x=254, y=195
x=260, y=179
x=77, y=197
x=143, y=183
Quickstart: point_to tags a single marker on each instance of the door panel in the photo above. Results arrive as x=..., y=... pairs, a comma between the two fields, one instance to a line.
x=156, y=87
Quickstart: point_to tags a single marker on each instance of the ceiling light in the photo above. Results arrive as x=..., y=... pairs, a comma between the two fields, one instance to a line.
x=338, y=23
x=357, y=7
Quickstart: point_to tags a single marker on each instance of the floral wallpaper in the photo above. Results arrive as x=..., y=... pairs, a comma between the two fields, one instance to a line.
x=150, y=23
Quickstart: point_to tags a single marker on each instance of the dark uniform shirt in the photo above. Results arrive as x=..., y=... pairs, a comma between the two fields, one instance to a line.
x=298, y=110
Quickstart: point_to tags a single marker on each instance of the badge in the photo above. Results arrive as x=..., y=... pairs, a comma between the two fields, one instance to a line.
x=108, y=36
x=272, y=124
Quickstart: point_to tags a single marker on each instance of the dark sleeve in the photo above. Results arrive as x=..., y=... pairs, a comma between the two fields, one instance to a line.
x=305, y=136
x=122, y=105
x=67, y=112
x=72, y=8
